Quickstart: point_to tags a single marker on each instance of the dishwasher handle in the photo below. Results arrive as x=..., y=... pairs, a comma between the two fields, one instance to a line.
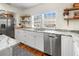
x=54, y=37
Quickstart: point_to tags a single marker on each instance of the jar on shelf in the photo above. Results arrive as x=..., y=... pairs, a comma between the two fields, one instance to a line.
x=66, y=13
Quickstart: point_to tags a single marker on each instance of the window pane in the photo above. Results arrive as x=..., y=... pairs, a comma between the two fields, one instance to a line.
x=49, y=15
x=37, y=17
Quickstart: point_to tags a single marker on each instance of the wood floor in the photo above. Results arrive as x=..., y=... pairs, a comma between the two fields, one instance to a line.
x=32, y=50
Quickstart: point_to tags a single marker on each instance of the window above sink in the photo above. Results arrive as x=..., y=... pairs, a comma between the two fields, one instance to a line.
x=45, y=20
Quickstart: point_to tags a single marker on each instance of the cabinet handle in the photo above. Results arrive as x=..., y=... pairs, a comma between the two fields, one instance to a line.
x=52, y=36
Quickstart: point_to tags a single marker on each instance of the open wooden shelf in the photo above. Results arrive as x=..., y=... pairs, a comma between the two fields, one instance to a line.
x=67, y=10
x=71, y=18
x=71, y=9
x=23, y=17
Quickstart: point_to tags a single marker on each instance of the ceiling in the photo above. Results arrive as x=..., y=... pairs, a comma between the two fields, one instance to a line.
x=23, y=5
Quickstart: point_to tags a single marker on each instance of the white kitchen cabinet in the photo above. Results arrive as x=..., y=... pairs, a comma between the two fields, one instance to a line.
x=35, y=40
x=76, y=44
x=30, y=38
x=19, y=35
x=39, y=40
x=76, y=49
x=66, y=46
x=17, y=32
x=24, y=36
x=6, y=52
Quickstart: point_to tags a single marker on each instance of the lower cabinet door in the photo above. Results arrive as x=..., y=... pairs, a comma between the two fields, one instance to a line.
x=39, y=41
x=17, y=32
x=19, y=35
x=66, y=46
x=6, y=52
x=76, y=49
x=29, y=38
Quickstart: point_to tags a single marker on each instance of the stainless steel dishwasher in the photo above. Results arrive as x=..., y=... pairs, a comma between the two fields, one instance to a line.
x=52, y=44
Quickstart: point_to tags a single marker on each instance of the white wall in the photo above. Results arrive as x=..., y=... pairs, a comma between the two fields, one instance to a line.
x=58, y=7
x=9, y=8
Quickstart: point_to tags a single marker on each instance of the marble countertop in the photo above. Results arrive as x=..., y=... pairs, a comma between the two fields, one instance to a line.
x=71, y=33
x=6, y=42
x=56, y=31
